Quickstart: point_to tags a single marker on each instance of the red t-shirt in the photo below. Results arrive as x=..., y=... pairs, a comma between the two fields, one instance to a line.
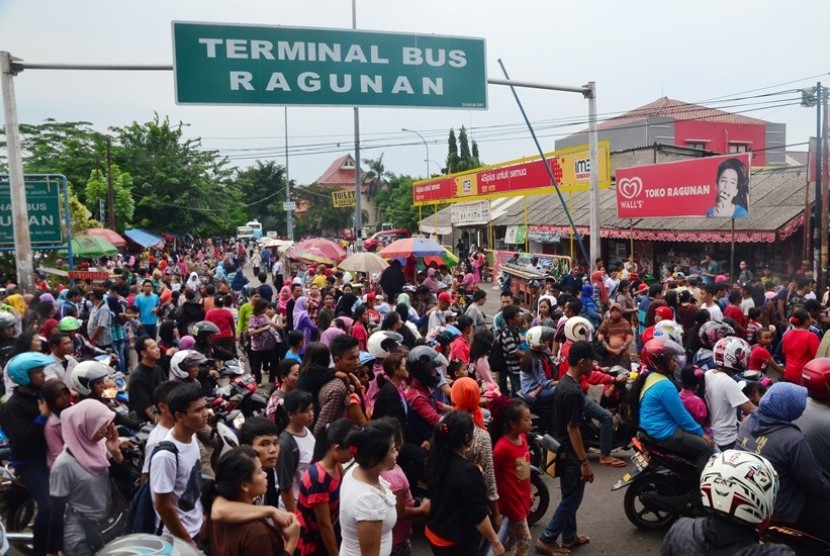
x=757, y=357
x=734, y=312
x=460, y=349
x=359, y=333
x=799, y=347
x=511, y=464
x=222, y=318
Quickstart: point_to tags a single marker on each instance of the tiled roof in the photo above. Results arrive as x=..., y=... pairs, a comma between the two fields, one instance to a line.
x=336, y=175
x=677, y=110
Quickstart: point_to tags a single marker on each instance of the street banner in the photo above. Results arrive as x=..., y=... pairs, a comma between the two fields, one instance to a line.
x=716, y=186
x=254, y=64
x=527, y=176
x=89, y=275
x=470, y=214
x=341, y=199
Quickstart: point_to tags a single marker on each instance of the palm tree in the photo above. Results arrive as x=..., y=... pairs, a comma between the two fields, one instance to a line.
x=375, y=179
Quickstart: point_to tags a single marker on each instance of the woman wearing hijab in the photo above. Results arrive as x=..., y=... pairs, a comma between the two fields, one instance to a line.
x=345, y=304
x=431, y=282
x=303, y=322
x=392, y=280
x=58, y=397
x=283, y=299
x=79, y=483
x=194, y=284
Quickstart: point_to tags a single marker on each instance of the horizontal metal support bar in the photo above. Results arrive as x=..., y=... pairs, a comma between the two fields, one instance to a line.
x=531, y=85
x=17, y=67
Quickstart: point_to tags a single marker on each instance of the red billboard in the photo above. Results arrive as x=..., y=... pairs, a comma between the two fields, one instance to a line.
x=716, y=186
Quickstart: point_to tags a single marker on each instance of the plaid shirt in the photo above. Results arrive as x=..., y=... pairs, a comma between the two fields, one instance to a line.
x=333, y=399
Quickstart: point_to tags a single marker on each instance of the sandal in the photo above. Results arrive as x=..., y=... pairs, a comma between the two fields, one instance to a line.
x=612, y=462
x=578, y=541
x=551, y=549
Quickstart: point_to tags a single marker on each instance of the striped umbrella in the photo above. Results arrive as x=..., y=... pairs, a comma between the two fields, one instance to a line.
x=328, y=248
x=417, y=246
x=310, y=255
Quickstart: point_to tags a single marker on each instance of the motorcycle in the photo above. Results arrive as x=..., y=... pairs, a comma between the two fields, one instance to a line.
x=540, y=465
x=661, y=486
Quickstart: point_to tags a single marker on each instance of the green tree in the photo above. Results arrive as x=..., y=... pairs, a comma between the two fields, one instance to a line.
x=80, y=216
x=178, y=186
x=97, y=189
x=262, y=190
x=320, y=215
x=73, y=149
x=396, y=202
x=452, y=154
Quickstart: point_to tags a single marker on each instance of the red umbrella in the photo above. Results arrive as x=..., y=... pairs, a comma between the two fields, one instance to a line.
x=108, y=235
x=327, y=247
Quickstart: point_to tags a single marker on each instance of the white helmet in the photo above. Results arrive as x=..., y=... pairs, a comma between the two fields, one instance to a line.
x=539, y=336
x=7, y=319
x=579, y=328
x=732, y=353
x=184, y=360
x=670, y=329
x=384, y=342
x=85, y=373
x=739, y=485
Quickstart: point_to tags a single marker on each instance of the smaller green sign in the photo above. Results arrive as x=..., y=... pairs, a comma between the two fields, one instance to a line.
x=43, y=203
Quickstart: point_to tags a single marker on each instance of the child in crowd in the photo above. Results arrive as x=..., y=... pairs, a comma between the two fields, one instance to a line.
x=295, y=346
x=760, y=358
x=527, y=320
x=693, y=386
x=753, y=325
x=511, y=462
x=318, y=505
x=287, y=373
x=296, y=447
x=754, y=391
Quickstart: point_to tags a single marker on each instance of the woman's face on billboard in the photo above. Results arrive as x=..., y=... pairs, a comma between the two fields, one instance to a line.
x=727, y=185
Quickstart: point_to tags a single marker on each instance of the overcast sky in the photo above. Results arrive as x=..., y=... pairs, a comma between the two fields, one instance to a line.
x=636, y=51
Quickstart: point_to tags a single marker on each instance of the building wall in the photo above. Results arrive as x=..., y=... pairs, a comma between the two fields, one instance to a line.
x=720, y=136
x=628, y=136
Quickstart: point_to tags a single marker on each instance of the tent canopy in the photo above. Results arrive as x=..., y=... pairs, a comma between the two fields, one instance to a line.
x=143, y=237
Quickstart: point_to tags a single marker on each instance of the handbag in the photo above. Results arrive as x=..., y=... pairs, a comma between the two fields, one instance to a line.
x=99, y=532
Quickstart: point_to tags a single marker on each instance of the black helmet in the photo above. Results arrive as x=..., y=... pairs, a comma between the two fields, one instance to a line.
x=203, y=329
x=422, y=362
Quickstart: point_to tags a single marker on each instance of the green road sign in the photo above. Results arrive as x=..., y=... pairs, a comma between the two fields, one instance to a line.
x=240, y=64
x=42, y=200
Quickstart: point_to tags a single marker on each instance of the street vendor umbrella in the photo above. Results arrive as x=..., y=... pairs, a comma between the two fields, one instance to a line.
x=449, y=259
x=92, y=246
x=108, y=235
x=369, y=263
x=309, y=255
x=280, y=244
x=417, y=246
x=329, y=248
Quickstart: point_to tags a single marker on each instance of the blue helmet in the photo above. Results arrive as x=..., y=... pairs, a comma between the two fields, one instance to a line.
x=20, y=365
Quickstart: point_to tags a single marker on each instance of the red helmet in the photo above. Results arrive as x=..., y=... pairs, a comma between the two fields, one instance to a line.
x=816, y=377
x=658, y=352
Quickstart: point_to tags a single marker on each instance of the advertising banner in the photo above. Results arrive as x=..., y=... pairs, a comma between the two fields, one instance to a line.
x=716, y=186
x=252, y=64
x=528, y=176
x=470, y=214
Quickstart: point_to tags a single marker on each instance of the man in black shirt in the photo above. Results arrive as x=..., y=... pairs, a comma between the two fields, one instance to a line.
x=144, y=379
x=572, y=465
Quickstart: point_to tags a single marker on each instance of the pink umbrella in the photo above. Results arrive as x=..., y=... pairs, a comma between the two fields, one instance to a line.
x=108, y=235
x=328, y=248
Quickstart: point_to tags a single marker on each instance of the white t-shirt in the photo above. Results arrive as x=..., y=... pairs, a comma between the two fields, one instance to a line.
x=363, y=502
x=156, y=435
x=184, y=478
x=723, y=397
x=306, y=445
x=714, y=311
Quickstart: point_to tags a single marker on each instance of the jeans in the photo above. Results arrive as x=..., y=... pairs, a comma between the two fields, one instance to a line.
x=563, y=521
x=150, y=330
x=606, y=429
x=118, y=349
x=36, y=476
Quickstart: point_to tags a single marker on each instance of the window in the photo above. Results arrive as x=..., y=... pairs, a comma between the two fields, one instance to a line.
x=738, y=147
x=696, y=145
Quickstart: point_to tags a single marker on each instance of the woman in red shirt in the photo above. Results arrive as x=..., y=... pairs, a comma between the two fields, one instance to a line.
x=223, y=318
x=799, y=346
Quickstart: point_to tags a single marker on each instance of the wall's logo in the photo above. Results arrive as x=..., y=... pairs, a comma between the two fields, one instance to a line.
x=630, y=188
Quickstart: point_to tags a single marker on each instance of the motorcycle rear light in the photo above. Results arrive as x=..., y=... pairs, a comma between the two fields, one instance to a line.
x=637, y=444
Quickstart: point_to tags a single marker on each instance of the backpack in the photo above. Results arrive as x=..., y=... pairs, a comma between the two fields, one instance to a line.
x=142, y=516
x=496, y=356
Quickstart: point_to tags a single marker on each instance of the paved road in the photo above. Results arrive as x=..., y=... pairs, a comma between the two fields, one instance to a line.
x=601, y=516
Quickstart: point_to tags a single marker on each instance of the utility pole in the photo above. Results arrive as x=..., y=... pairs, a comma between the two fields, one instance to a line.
x=825, y=197
x=593, y=153
x=358, y=210
x=17, y=186
x=289, y=214
x=110, y=189
x=817, y=220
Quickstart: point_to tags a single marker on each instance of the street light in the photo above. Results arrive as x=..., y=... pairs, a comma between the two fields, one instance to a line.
x=426, y=146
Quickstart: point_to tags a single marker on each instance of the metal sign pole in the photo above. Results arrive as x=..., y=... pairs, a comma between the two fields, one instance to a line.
x=17, y=187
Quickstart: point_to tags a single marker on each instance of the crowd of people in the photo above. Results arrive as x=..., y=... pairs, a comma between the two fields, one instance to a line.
x=394, y=393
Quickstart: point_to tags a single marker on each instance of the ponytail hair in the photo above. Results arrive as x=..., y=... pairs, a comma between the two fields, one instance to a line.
x=799, y=317
x=336, y=433
x=503, y=415
x=452, y=433
x=370, y=444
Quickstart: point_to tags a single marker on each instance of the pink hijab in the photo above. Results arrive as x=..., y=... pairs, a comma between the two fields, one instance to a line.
x=284, y=298
x=79, y=424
